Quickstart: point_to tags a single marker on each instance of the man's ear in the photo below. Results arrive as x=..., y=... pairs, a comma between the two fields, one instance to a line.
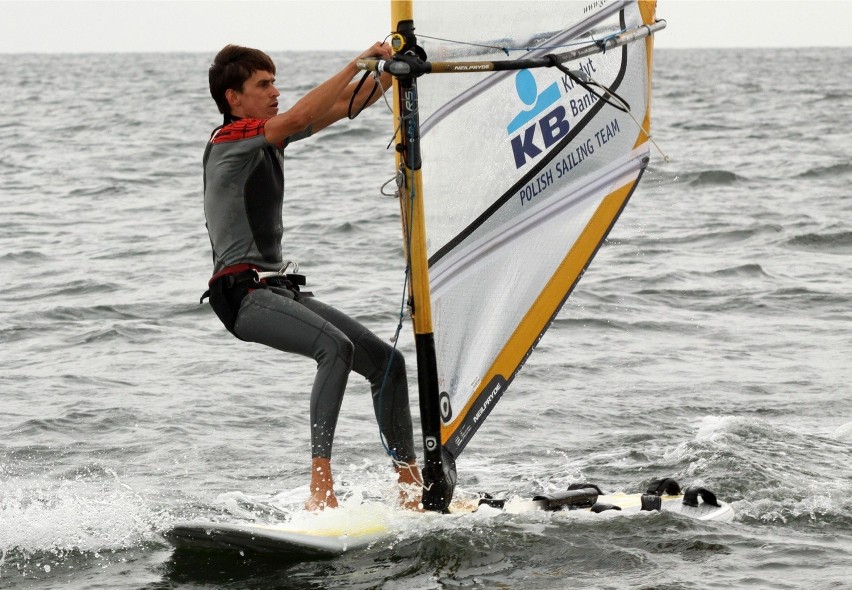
x=233, y=97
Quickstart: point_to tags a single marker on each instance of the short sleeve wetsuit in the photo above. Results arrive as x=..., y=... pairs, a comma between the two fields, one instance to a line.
x=243, y=203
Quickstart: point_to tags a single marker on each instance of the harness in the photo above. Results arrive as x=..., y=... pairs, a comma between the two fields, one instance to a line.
x=229, y=286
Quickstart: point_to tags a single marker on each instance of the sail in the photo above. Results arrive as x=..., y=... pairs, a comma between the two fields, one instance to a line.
x=524, y=173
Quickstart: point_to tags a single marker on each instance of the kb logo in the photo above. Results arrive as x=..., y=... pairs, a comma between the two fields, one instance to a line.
x=552, y=125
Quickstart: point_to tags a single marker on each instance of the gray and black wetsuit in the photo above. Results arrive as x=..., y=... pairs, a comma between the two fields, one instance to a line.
x=243, y=202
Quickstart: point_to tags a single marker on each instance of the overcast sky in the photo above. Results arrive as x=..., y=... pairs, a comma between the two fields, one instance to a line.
x=273, y=25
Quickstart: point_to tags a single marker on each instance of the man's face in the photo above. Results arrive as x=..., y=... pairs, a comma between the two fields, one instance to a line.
x=258, y=98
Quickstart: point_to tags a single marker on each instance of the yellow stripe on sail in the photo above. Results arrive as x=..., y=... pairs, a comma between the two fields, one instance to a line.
x=550, y=299
x=648, y=10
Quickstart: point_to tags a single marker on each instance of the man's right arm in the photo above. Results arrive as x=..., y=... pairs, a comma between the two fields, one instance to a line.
x=313, y=108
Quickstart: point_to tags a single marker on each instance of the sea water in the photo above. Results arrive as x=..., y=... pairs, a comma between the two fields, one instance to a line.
x=708, y=342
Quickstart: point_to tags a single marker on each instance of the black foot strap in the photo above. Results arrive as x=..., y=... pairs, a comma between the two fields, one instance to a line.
x=651, y=502
x=601, y=507
x=666, y=486
x=489, y=500
x=690, y=497
x=582, y=486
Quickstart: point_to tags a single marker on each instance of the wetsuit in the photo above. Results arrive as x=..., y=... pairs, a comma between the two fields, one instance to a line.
x=243, y=203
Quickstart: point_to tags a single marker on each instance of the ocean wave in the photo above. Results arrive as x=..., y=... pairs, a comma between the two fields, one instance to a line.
x=692, y=125
x=98, y=190
x=25, y=257
x=713, y=427
x=48, y=292
x=713, y=178
x=721, y=236
x=832, y=171
x=656, y=175
x=781, y=475
x=828, y=243
x=101, y=421
x=741, y=271
x=804, y=297
x=843, y=433
x=125, y=333
x=597, y=325
x=349, y=132
x=710, y=298
x=676, y=297
x=826, y=510
x=835, y=96
x=96, y=313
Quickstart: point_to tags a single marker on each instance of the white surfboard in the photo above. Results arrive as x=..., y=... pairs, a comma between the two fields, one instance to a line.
x=281, y=540
x=324, y=539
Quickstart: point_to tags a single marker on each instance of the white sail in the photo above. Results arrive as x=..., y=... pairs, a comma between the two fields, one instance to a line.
x=524, y=173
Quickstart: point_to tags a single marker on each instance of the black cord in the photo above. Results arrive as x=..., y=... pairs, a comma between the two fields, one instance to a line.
x=587, y=84
x=357, y=90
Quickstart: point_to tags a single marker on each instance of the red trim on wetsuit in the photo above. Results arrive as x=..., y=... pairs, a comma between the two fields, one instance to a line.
x=231, y=270
x=238, y=130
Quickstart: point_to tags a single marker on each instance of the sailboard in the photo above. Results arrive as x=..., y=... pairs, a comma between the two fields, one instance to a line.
x=523, y=130
x=338, y=531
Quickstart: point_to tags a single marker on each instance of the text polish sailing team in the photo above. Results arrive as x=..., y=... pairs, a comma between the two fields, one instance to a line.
x=568, y=162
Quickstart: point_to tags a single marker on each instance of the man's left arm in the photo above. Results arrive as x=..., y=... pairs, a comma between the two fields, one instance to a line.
x=369, y=93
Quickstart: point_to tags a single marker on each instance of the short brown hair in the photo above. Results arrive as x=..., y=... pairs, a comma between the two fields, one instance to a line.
x=232, y=66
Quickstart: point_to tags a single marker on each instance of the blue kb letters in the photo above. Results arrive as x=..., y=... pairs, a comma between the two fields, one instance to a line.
x=553, y=127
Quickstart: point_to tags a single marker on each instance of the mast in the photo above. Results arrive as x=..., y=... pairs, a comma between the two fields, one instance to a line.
x=439, y=467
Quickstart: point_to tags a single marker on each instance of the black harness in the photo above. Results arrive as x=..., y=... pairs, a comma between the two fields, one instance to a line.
x=227, y=292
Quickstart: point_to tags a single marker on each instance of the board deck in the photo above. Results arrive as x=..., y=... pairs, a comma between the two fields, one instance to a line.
x=291, y=541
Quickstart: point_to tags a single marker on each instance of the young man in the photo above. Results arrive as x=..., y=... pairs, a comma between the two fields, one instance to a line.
x=243, y=197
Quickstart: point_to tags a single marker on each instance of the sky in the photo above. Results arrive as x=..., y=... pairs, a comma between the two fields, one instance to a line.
x=75, y=26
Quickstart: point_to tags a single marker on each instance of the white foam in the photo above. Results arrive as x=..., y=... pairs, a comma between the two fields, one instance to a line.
x=86, y=516
x=843, y=432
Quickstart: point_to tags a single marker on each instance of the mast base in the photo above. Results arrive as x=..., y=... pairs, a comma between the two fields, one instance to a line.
x=440, y=483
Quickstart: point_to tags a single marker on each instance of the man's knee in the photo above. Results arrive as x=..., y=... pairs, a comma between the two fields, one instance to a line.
x=396, y=371
x=343, y=348
x=397, y=362
x=346, y=350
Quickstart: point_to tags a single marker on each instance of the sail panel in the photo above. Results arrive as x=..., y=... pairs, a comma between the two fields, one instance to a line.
x=524, y=174
x=529, y=326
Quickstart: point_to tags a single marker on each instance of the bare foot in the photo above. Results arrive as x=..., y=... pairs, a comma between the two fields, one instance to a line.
x=322, y=486
x=321, y=501
x=410, y=486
